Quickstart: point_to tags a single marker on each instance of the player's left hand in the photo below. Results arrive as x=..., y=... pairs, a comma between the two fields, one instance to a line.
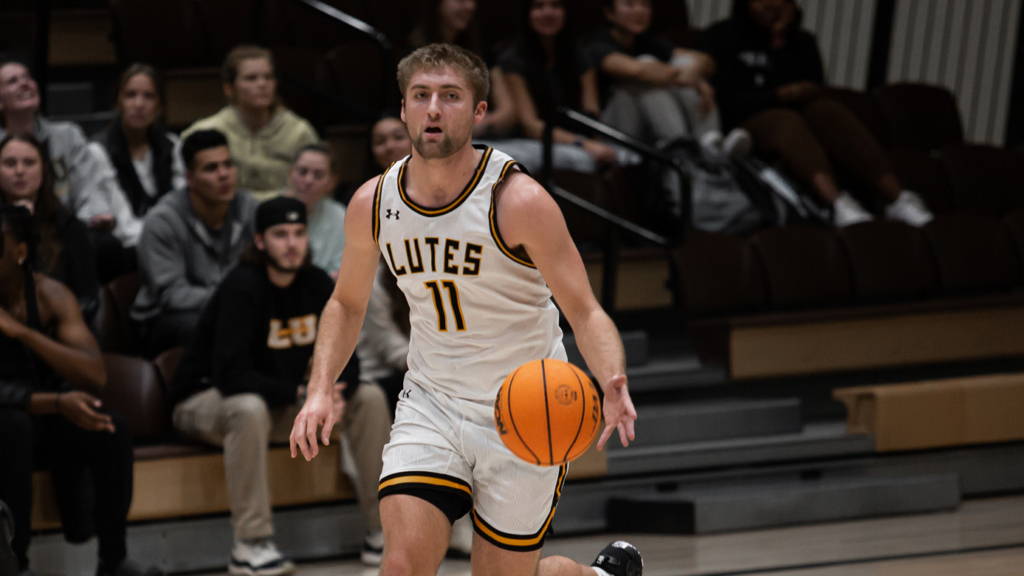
x=619, y=412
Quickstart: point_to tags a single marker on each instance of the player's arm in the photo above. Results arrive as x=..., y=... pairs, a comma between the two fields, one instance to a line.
x=528, y=217
x=340, y=322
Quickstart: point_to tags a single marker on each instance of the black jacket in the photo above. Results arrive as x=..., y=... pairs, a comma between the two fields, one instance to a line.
x=748, y=71
x=253, y=337
x=113, y=140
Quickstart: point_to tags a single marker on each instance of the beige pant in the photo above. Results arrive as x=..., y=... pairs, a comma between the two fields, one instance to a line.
x=243, y=426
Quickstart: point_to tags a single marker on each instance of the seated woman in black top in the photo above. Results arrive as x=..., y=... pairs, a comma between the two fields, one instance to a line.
x=50, y=369
x=545, y=70
x=769, y=80
x=65, y=252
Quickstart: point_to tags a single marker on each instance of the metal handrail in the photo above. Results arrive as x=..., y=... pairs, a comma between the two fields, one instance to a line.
x=579, y=123
x=363, y=28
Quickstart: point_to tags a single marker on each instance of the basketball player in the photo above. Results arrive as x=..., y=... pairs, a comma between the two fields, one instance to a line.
x=479, y=249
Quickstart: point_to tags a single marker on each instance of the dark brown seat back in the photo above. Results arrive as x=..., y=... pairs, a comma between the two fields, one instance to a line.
x=973, y=253
x=889, y=260
x=920, y=116
x=135, y=391
x=984, y=179
x=805, y=267
x=717, y=274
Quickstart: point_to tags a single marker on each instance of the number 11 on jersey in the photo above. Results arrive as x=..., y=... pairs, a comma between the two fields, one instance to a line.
x=453, y=301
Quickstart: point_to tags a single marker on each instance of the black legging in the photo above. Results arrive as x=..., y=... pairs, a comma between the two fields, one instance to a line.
x=53, y=443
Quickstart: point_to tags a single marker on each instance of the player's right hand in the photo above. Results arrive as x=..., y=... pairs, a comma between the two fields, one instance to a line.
x=317, y=413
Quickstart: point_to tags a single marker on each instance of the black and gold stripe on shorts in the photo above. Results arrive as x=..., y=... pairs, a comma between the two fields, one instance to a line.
x=403, y=481
x=519, y=542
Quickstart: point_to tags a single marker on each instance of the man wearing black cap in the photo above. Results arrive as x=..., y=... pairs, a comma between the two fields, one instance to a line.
x=242, y=379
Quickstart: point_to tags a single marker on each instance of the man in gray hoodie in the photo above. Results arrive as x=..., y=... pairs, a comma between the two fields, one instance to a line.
x=191, y=238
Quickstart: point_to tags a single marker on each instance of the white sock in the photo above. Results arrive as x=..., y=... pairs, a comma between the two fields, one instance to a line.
x=600, y=571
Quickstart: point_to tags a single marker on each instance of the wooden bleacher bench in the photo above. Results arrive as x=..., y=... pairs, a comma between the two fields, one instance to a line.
x=939, y=413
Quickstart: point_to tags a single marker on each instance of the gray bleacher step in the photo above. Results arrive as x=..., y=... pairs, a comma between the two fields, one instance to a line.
x=633, y=341
x=816, y=440
x=752, y=506
x=69, y=98
x=714, y=420
x=666, y=375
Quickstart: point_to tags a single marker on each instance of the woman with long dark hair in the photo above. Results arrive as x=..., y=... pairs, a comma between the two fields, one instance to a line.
x=147, y=157
x=544, y=70
x=769, y=78
x=63, y=250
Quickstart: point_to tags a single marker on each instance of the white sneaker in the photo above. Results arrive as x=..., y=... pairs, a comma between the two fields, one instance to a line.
x=711, y=141
x=373, y=549
x=846, y=211
x=909, y=208
x=258, y=558
x=738, y=143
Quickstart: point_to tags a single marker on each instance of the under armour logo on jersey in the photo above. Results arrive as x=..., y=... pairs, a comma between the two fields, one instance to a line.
x=388, y=216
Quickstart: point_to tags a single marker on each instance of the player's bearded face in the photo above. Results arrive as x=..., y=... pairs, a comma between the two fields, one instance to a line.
x=439, y=109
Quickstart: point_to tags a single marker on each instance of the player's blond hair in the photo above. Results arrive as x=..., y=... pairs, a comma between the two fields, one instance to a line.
x=439, y=56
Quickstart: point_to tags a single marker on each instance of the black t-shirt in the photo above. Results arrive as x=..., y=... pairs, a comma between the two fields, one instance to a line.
x=602, y=44
x=255, y=337
x=748, y=71
x=549, y=89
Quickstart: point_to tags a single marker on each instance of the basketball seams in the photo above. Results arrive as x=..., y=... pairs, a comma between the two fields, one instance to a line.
x=547, y=413
x=512, y=418
x=583, y=416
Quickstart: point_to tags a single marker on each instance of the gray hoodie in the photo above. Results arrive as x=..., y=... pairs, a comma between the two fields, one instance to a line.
x=181, y=260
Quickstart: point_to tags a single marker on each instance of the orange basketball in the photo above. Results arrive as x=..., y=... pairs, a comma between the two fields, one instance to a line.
x=547, y=412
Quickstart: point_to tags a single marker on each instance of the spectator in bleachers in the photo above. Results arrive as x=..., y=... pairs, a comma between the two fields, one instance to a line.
x=447, y=22
x=50, y=369
x=312, y=179
x=769, y=79
x=84, y=180
x=146, y=158
x=453, y=22
x=389, y=143
x=546, y=69
x=652, y=89
x=64, y=251
x=242, y=381
x=192, y=237
x=264, y=135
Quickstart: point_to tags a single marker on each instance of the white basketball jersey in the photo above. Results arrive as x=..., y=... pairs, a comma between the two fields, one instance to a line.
x=478, y=310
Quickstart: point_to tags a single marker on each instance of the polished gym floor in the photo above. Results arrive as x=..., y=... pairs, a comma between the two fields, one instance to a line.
x=983, y=538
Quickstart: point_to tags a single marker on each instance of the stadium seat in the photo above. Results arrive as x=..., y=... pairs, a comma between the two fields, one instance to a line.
x=973, y=253
x=920, y=116
x=122, y=292
x=804, y=267
x=1014, y=222
x=135, y=391
x=925, y=174
x=166, y=363
x=105, y=324
x=984, y=179
x=889, y=260
x=717, y=274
